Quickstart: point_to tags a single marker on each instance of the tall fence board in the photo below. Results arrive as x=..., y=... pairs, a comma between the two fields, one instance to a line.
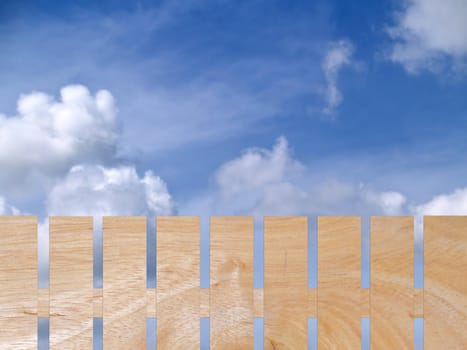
x=231, y=302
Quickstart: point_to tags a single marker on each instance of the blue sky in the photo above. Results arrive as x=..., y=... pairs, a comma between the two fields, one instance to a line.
x=197, y=83
x=218, y=107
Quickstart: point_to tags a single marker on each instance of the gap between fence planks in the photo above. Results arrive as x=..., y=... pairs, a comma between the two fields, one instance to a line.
x=231, y=302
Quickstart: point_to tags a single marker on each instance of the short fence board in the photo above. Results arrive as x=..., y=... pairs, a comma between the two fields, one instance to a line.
x=339, y=282
x=124, y=282
x=178, y=246
x=392, y=245
x=71, y=291
x=445, y=305
x=231, y=302
x=18, y=282
x=285, y=282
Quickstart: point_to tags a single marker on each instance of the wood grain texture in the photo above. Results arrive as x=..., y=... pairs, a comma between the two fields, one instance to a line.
x=43, y=302
x=204, y=302
x=151, y=302
x=71, y=290
x=231, y=282
x=445, y=295
x=178, y=286
x=312, y=302
x=365, y=295
x=285, y=282
x=418, y=303
x=124, y=282
x=392, y=284
x=18, y=282
x=339, y=240
x=98, y=303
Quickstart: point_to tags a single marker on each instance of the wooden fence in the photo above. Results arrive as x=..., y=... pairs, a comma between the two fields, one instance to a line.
x=231, y=302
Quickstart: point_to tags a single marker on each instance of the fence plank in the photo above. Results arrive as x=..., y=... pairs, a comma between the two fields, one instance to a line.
x=71, y=291
x=18, y=282
x=392, y=282
x=231, y=282
x=178, y=240
x=285, y=282
x=445, y=295
x=124, y=285
x=339, y=240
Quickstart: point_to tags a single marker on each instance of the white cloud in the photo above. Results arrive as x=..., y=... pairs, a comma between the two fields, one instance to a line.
x=454, y=203
x=272, y=182
x=46, y=137
x=338, y=56
x=6, y=209
x=429, y=31
x=97, y=190
x=179, y=89
x=391, y=202
x=93, y=190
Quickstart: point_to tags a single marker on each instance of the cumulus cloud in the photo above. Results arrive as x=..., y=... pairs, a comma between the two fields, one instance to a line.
x=47, y=137
x=454, y=203
x=97, y=190
x=273, y=182
x=94, y=190
x=429, y=32
x=338, y=56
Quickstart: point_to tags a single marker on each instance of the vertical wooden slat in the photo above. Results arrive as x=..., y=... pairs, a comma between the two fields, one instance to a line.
x=392, y=282
x=231, y=283
x=339, y=282
x=445, y=295
x=285, y=282
x=124, y=284
x=71, y=291
x=97, y=303
x=178, y=240
x=18, y=282
x=43, y=302
x=151, y=302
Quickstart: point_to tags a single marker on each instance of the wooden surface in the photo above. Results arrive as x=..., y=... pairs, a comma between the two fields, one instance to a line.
x=285, y=282
x=339, y=282
x=231, y=283
x=71, y=290
x=392, y=282
x=445, y=299
x=231, y=302
x=18, y=282
x=124, y=282
x=178, y=240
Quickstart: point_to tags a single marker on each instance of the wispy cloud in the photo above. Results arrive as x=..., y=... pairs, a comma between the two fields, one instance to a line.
x=336, y=58
x=163, y=74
